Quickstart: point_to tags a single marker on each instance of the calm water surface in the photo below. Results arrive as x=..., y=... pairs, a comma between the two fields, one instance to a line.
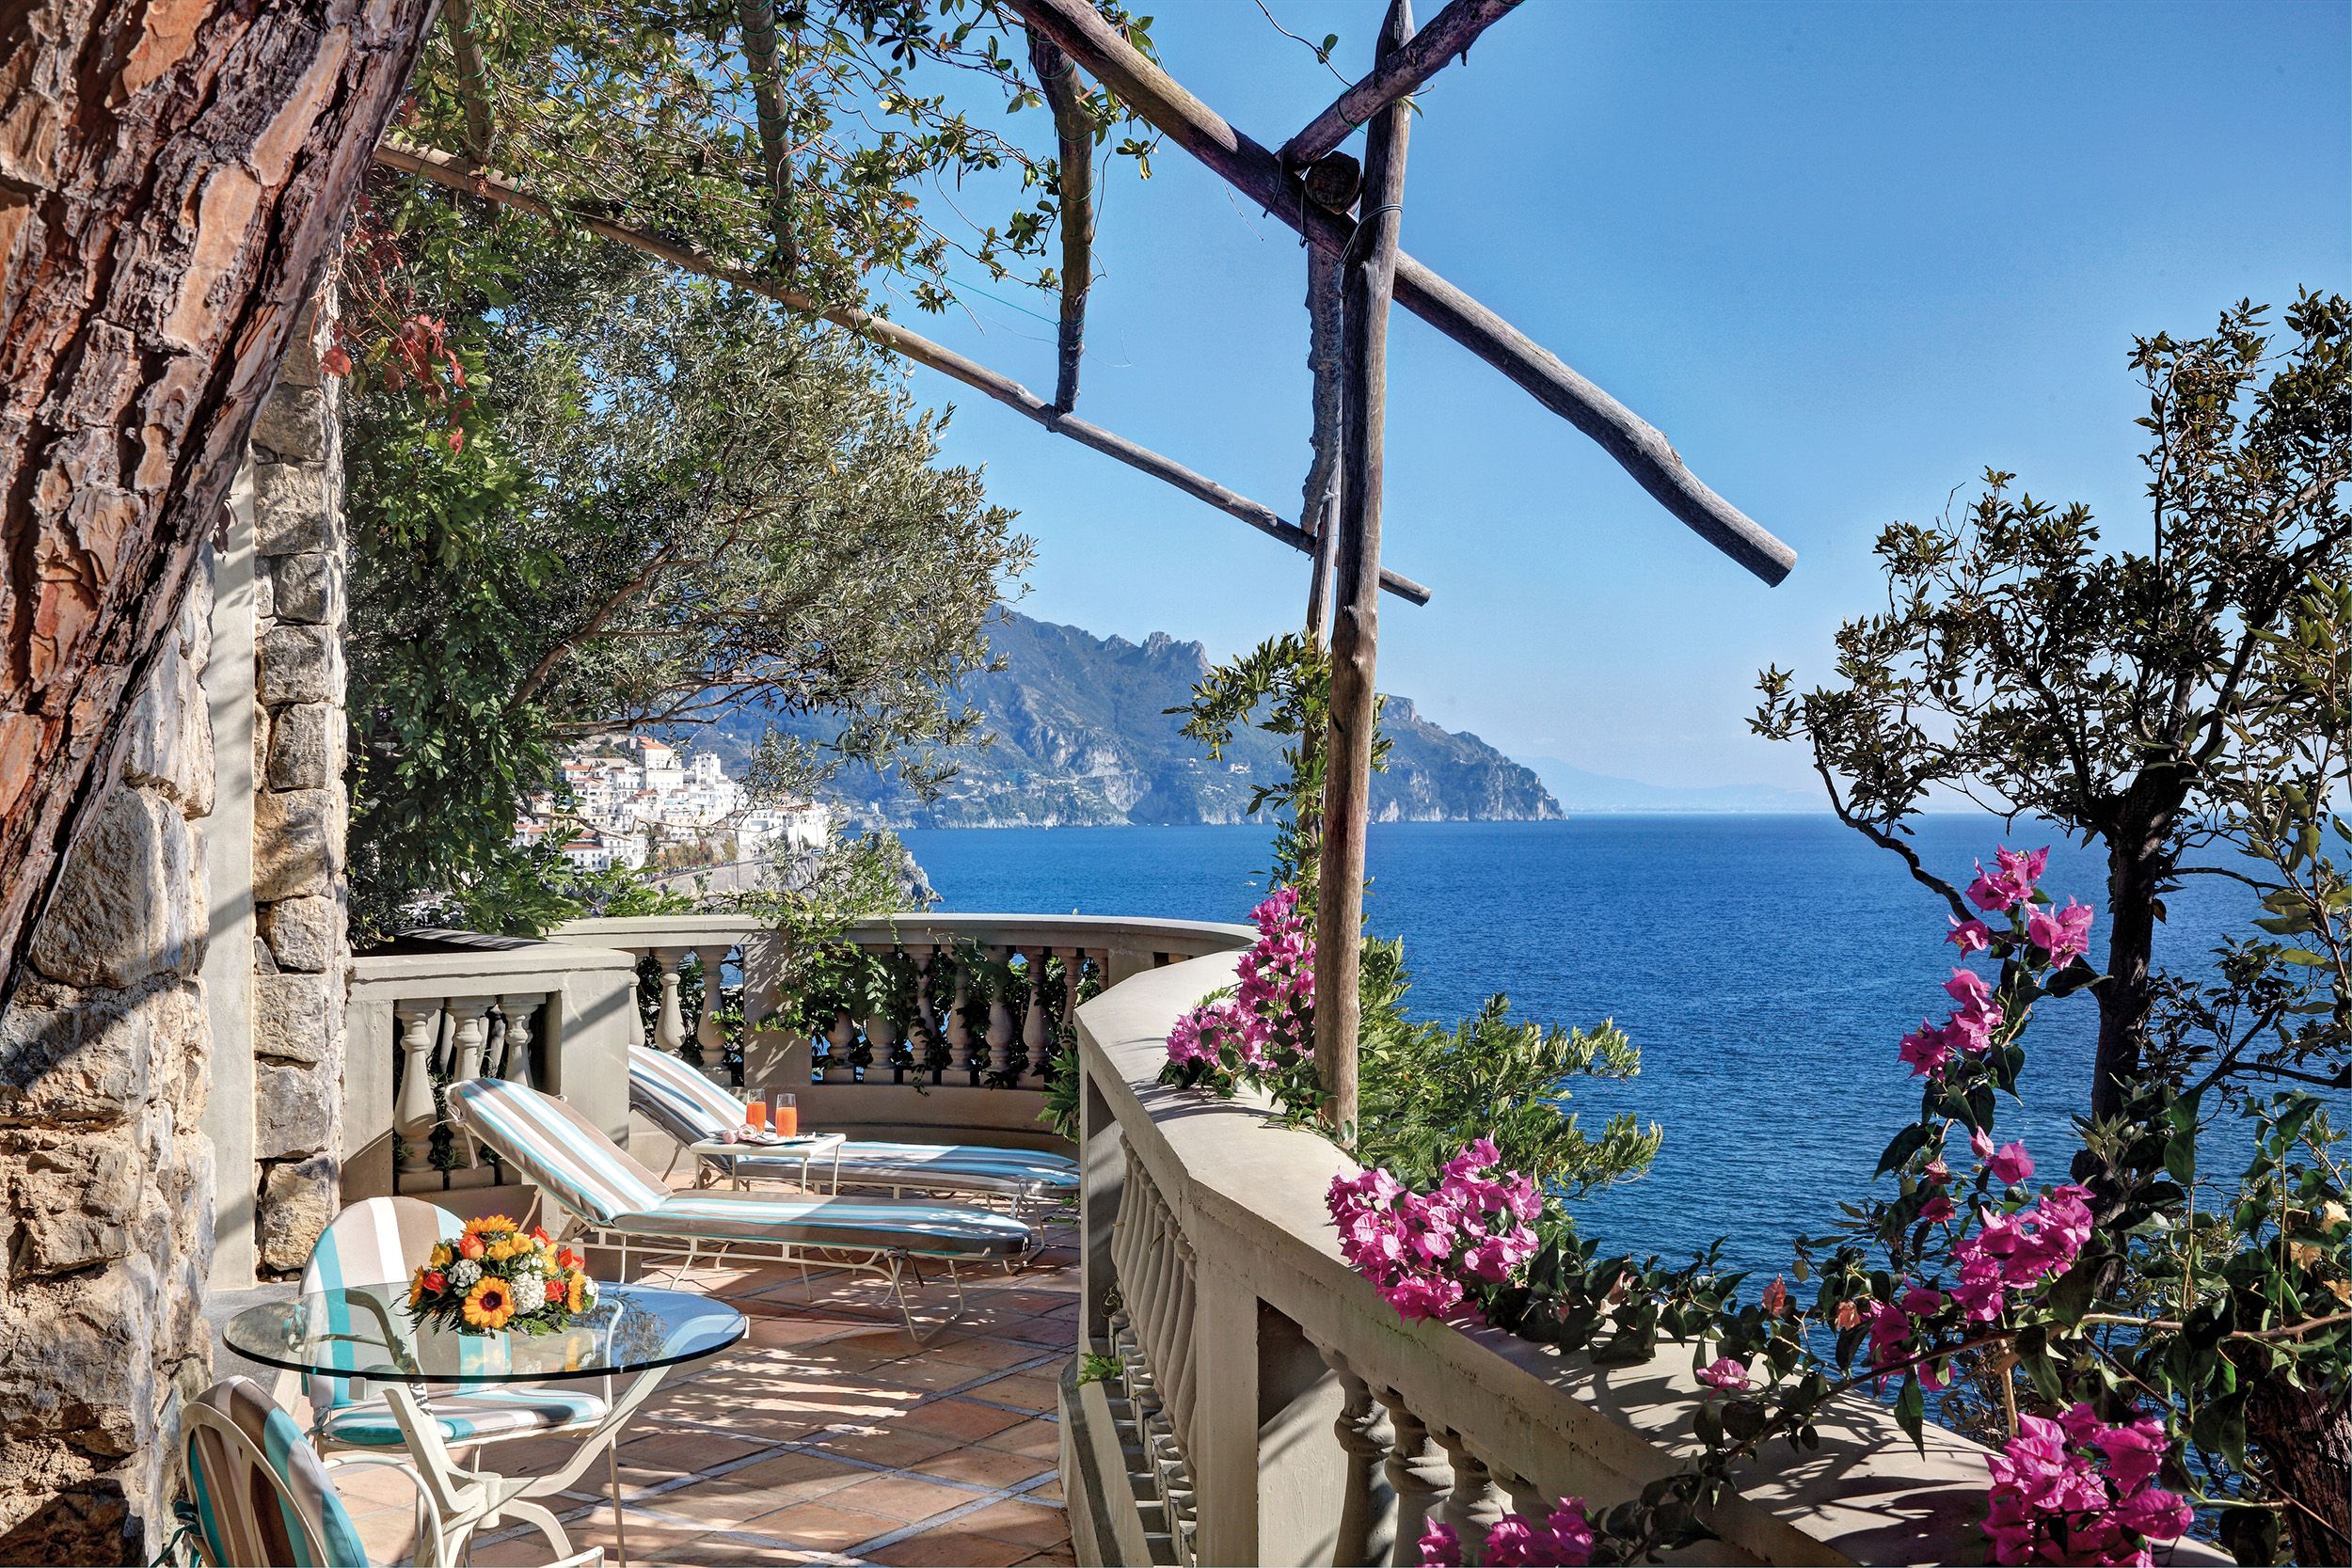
x=1765, y=966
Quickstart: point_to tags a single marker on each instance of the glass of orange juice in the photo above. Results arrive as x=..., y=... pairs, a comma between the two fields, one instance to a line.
x=756, y=1114
x=783, y=1110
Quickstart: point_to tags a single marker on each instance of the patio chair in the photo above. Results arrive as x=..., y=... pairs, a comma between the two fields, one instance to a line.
x=690, y=1108
x=261, y=1497
x=380, y=1242
x=610, y=1200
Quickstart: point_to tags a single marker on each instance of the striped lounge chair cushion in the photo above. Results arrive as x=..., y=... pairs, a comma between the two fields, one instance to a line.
x=467, y=1418
x=257, y=1525
x=923, y=1229
x=690, y=1108
x=562, y=1152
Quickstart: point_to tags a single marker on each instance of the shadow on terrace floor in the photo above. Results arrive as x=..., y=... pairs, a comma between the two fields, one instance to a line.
x=826, y=1436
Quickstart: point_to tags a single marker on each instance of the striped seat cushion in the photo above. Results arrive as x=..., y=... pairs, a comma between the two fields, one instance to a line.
x=957, y=1167
x=248, y=1519
x=679, y=1100
x=466, y=1417
x=562, y=1152
x=378, y=1240
x=923, y=1229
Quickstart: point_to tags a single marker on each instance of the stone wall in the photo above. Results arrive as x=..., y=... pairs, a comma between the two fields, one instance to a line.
x=299, y=888
x=106, y=1182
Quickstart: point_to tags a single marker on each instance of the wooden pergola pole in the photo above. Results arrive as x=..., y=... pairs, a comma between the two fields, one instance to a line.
x=1368, y=270
x=443, y=169
x=1637, y=445
x=1318, y=497
x=1451, y=32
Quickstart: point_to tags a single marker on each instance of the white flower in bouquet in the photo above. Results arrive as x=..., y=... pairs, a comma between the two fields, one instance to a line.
x=463, y=1273
x=531, y=1293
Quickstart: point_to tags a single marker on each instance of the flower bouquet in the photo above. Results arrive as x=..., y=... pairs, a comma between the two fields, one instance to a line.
x=498, y=1275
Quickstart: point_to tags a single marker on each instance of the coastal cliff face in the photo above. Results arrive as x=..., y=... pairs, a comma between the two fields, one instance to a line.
x=1083, y=737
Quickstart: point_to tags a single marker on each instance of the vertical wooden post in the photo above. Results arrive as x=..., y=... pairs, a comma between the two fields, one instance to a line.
x=1318, y=501
x=1369, y=275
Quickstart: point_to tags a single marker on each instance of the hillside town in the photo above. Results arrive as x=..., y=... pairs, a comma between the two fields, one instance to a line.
x=635, y=801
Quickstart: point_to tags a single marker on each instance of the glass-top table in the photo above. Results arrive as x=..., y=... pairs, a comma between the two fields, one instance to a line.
x=425, y=1376
x=365, y=1332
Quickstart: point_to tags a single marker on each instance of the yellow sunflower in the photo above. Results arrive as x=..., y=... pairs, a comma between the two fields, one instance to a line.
x=482, y=1223
x=415, y=1289
x=490, y=1303
x=576, y=1292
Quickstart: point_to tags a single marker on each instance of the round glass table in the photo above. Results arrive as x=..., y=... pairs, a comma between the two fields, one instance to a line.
x=363, y=1335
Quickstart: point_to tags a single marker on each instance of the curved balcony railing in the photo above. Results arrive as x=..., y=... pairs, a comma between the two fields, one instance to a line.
x=948, y=1021
x=1268, y=1406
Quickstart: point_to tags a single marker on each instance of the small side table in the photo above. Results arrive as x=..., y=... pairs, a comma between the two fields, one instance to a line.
x=725, y=1158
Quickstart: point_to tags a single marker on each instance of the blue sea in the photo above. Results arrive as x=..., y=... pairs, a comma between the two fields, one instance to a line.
x=1765, y=966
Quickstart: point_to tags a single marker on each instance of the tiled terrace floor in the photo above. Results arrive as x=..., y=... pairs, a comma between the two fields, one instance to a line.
x=826, y=1435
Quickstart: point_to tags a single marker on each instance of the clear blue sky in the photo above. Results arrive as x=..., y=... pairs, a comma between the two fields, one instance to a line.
x=1845, y=255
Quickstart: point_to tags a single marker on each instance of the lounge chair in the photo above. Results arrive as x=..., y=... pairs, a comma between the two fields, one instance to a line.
x=690, y=1108
x=262, y=1498
x=610, y=1200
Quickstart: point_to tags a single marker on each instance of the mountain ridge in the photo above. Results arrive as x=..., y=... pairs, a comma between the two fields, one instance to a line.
x=1082, y=737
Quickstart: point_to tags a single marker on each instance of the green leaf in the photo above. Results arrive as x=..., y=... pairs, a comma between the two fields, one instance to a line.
x=1911, y=1410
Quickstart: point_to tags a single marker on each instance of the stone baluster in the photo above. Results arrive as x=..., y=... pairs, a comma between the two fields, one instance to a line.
x=960, y=1043
x=1001, y=1032
x=1033, y=1017
x=1418, y=1475
x=520, y=1011
x=669, y=1023
x=1367, y=1531
x=1073, y=973
x=420, y=1019
x=709, y=1039
x=1472, y=1504
x=925, y=1035
x=882, y=1031
x=468, y=1014
x=839, y=1036
x=1526, y=1496
x=1180, y=1359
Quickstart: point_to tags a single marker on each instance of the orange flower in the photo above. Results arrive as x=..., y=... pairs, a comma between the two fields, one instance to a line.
x=1849, y=1315
x=576, y=1292
x=490, y=1303
x=470, y=1245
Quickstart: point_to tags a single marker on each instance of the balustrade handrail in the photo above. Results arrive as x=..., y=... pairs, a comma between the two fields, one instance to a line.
x=1175, y=938
x=1521, y=1424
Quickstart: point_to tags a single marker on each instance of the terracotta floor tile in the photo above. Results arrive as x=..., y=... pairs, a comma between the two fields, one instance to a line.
x=950, y=1549
x=1038, y=1524
x=925, y=1374
x=893, y=1445
x=680, y=1453
x=900, y=1497
x=983, y=1353
x=1039, y=1438
x=788, y=1477
x=823, y=1527
x=990, y=1467
x=957, y=1419
x=1022, y=1390
x=1060, y=1556
x=1050, y=1492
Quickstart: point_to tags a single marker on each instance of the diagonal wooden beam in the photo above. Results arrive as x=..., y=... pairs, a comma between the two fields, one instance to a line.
x=775, y=137
x=444, y=169
x=1073, y=128
x=1450, y=33
x=474, y=77
x=1637, y=445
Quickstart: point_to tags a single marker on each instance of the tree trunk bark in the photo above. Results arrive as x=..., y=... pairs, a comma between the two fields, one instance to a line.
x=172, y=176
x=2124, y=997
x=2305, y=1438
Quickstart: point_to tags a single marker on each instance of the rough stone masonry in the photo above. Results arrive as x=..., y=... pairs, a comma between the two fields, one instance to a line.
x=300, y=891
x=106, y=1182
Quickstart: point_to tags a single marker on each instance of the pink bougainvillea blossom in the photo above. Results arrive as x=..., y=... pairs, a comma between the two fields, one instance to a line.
x=2013, y=1250
x=1969, y=936
x=2010, y=1165
x=1269, y=1020
x=1564, y=1539
x=1723, y=1373
x=2012, y=882
x=2063, y=934
x=2053, y=1502
x=1425, y=1252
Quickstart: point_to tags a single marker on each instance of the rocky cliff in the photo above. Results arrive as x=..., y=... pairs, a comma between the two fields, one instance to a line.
x=1083, y=737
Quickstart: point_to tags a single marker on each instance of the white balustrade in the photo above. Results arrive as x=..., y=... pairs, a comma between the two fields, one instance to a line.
x=709, y=1037
x=1268, y=1406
